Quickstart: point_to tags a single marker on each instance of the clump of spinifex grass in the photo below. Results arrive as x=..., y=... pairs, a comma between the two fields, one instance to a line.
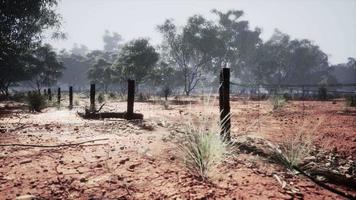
x=203, y=148
x=292, y=151
x=278, y=101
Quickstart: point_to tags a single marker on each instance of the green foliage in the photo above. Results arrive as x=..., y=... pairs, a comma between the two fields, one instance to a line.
x=36, y=102
x=351, y=101
x=112, y=95
x=136, y=60
x=102, y=73
x=21, y=26
x=111, y=41
x=45, y=68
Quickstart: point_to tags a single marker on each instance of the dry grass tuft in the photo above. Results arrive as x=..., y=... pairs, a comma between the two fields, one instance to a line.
x=292, y=151
x=202, y=147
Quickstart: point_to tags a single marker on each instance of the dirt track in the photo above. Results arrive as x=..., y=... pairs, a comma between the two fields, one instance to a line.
x=138, y=161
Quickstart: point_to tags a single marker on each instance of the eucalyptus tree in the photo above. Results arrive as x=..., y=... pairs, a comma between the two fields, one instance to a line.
x=192, y=48
x=136, y=61
x=45, y=68
x=22, y=23
x=101, y=73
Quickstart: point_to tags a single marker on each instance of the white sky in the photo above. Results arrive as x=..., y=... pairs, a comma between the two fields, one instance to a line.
x=329, y=23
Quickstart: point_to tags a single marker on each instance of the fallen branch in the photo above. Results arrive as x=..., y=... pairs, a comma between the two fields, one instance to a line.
x=51, y=146
x=103, y=115
x=323, y=185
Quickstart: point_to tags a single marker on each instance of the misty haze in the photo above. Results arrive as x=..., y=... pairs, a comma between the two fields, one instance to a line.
x=177, y=99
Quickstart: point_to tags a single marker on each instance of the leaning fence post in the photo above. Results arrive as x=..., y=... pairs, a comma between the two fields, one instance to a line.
x=92, y=97
x=130, y=98
x=70, y=97
x=49, y=92
x=59, y=96
x=224, y=103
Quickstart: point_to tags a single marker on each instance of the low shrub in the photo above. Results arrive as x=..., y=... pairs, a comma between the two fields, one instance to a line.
x=36, y=102
x=143, y=97
x=101, y=97
x=112, y=95
x=278, y=101
x=351, y=101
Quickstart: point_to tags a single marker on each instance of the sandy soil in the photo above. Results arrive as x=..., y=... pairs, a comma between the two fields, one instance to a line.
x=139, y=158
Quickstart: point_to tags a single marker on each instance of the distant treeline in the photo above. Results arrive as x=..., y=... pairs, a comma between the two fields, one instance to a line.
x=189, y=56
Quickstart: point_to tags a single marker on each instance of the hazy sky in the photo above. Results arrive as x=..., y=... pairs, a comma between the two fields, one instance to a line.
x=329, y=23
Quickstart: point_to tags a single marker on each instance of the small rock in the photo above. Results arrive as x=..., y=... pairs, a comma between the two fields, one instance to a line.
x=25, y=161
x=26, y=197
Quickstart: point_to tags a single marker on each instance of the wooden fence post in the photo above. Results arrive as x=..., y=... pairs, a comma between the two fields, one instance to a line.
x=130, y=98
x=224, y=103
x=49, y=92
x=92, y=97
x=70, y=97
x=59, y=96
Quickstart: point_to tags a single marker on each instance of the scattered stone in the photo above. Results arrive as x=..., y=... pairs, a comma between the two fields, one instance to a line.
x=25, y=161
x=26, y=197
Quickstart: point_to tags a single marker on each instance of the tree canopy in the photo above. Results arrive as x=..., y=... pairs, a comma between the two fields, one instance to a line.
x=136, y=60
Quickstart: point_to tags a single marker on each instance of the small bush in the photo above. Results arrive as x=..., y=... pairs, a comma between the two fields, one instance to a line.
x=143, y=97
x=322, y=93
x=18, y=96
x=101, y=98
x=278, y=101
x=112, y=95
x=166, y=92
x=36, y=102
x=351, y=101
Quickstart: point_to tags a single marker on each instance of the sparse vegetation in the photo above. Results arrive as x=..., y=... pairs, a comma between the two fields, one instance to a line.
x=292, y=151
x=101, y=97
x=278, y=101
x=203, y=148
x=35, y=101
x=202, y=151
x=112, y=95
x=351, y=101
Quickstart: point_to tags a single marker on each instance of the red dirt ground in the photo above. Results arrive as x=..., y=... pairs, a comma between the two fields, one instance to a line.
x=139, y=159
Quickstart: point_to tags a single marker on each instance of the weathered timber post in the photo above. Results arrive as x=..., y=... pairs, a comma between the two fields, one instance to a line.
x=224, y=103
x=92, y=97
x=130, y=98
x=70, y=97
x=59, y=96
x=49, y=92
